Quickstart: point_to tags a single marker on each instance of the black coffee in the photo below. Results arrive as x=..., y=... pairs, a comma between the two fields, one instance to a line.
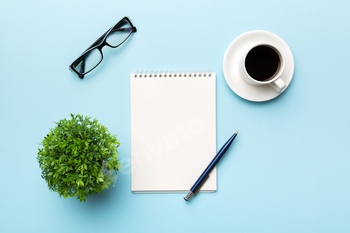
x=262, y=63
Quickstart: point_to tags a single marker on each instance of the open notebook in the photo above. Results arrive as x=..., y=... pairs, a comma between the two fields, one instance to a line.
x=173, y=130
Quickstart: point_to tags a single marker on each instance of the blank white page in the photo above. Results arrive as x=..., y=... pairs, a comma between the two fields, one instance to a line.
x=173, y=131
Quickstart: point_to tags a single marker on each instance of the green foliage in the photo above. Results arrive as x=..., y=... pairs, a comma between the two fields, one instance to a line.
x=78, y=157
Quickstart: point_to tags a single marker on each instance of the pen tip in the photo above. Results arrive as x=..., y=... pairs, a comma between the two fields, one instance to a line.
x=236, y=132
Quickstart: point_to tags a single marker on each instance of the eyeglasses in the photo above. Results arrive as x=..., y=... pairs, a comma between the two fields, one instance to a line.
x=93, y=56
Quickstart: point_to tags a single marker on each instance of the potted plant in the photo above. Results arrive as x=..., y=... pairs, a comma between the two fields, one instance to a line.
x=79, y=157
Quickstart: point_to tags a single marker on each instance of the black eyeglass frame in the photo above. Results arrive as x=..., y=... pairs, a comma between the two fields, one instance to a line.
x=100, y=43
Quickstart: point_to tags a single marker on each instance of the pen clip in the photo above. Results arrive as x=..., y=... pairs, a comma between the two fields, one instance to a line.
x=205, y=180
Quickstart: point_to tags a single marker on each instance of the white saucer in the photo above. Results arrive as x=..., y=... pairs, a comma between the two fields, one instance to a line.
x=231, y=65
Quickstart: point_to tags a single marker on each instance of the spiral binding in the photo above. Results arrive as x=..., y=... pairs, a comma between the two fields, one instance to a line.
x=170, y=74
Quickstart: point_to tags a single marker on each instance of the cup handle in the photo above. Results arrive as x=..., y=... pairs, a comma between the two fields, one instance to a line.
x=279, y=85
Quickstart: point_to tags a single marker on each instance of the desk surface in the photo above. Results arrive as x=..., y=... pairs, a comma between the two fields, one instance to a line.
x=289, y=168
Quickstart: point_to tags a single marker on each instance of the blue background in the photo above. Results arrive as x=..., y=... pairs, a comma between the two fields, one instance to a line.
x=287, y=171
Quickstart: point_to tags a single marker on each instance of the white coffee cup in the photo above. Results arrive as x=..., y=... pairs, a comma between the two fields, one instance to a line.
x=263, y=64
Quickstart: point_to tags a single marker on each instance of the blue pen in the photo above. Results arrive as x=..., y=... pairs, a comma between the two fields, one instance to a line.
x=205, y=174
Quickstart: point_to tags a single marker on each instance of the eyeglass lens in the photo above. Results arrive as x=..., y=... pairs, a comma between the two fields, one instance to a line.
x=119, y=34
x=87, y=62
